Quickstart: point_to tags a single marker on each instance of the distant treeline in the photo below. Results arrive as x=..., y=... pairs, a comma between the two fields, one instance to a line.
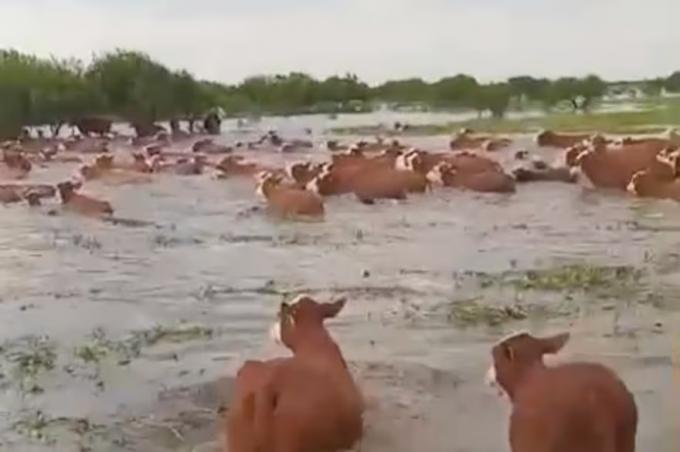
x=130, y=86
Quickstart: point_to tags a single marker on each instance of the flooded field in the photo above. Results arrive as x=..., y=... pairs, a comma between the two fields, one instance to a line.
x=127, y=338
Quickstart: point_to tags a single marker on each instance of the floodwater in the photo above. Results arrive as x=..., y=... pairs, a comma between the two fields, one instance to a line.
x=208, y=272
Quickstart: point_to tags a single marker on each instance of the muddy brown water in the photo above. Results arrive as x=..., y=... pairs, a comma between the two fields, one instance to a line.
x=209, y=260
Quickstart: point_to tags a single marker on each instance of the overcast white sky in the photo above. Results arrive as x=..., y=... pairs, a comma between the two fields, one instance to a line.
x=227, y=40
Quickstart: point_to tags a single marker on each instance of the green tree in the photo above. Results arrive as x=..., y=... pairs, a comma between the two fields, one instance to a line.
x=458, y=91
x=134, y=86
x=494, y=98
x=579, y=93
x=404, y=91
x=673, y=82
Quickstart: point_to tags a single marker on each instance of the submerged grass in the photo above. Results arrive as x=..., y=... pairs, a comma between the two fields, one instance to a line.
x=655, y=118
x=40, y=427
x=100, y=347
x=29, y=359
x=468, y=313
x=567, y=278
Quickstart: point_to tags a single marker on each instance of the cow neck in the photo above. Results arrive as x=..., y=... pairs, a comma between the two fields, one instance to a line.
x=316, y=344
x=525, y=376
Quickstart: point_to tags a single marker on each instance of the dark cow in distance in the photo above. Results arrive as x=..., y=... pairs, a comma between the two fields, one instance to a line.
x=93, y=125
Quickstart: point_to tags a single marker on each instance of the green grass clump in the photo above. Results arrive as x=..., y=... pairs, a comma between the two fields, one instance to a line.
x=567, y=278
x=575, y=277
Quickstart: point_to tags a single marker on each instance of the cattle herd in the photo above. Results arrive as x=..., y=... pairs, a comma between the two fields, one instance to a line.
x=310, y=402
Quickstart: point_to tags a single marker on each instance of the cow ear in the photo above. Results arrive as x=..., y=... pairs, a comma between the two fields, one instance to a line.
x=330, y=310
x=284, y=309
x=554, y=344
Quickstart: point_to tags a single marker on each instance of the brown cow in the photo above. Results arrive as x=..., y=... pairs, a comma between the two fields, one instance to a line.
x=234, y=165
x=146, y=129
x=490, y=181
x=303, y=172
x=286, y=201
x=208, y=146
x=23, y=190
x=646, y=184
x=548, y=138
x=14, y=165
x=467, y=139
x=82, y=204
x=139, y=164
x=671, y=139
x=659, y=181
x=614, y=168
x=8, y=195
x=368, y=184
x=93, y=125
x=571, y=407
x=423, y=162
x=190, y=166
x=306, y=403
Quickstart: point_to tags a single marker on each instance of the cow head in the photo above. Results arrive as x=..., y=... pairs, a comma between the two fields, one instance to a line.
x=33, y=198
x=571, y=156
x=670, y=156
x=266, y=182
x=104, y=162
x=647, y=182
x=302, y=172
x=598, y=143
x=66, y=190
x=324, y=183
x=412, y=160
x=545, y=138
x=521, y=154
x=517, y=354
x=443, y=173
x=304, y=315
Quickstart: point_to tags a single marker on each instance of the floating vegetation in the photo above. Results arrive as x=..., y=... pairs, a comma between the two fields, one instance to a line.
x=29, y=359
x=474, y=313
x=174, y=335
x=164, y=241
x=88, y=243
x=34, y=426
x=40, y=427
x=98, y=348
x=581, y=277
x=235, y=238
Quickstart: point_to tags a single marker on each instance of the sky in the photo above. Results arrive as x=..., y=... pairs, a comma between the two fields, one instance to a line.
x=228, y=40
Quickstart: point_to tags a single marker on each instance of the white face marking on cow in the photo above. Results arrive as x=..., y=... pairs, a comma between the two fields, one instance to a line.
x=275, y=333
x=435, y=175
x=400, y=163
x=262, y=178
x=313, y=185
x=290, y=168
x=260, y=190
x=490, y=377
x=491, y=380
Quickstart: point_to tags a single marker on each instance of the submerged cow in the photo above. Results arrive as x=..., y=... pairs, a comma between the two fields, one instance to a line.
x=82, y=204
x=288, y=201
